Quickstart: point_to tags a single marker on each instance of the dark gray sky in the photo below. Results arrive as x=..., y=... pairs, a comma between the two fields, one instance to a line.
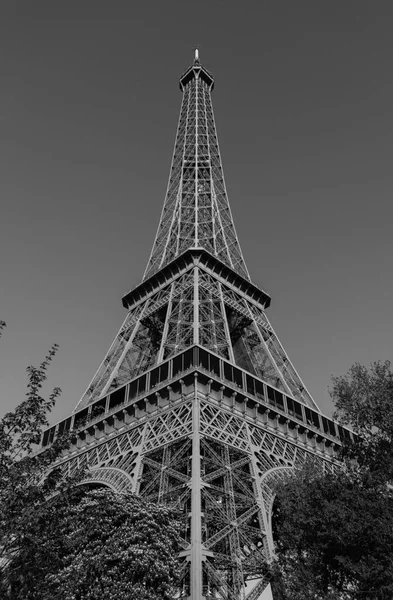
x=89, y=103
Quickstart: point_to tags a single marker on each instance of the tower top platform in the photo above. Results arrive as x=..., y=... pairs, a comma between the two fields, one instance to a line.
x=196, y=70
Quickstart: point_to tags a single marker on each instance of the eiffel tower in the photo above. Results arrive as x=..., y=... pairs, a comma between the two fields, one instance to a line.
x=197, y=403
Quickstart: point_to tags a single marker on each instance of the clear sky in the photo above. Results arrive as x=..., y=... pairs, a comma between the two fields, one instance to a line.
x=89, y=102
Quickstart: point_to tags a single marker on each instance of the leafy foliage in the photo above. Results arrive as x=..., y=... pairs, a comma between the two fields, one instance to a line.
x=364, y=401
x=21, y=429
x=97, y=545
x=116, y=546
x=24, y=479
x=334, y=531
x=334, y=537
x=59, y=541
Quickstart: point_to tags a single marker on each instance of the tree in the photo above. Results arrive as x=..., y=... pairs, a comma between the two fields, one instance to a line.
x=96, y=544
x=60, y=541
x=334, y=531
x=111, y=546
x=364, y=401
x=25, y=478
x=334, y=537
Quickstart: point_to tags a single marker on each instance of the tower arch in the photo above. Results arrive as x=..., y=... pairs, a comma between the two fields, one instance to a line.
x=116, y=479
x=267, y=483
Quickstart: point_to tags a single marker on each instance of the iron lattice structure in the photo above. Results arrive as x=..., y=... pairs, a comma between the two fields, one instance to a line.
x=196, y=402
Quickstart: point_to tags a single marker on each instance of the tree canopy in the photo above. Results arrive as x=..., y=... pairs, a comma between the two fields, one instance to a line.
x=334, y=530
x=25, y=482
x=58, y=540
x=96, y=545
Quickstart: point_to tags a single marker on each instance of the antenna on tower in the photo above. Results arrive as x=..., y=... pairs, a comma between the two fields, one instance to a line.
x=196, y=55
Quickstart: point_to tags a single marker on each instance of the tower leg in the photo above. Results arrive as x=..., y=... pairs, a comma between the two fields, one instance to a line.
x=196, y=512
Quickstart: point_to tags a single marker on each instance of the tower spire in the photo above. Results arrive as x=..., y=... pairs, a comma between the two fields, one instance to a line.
x=196, y=210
